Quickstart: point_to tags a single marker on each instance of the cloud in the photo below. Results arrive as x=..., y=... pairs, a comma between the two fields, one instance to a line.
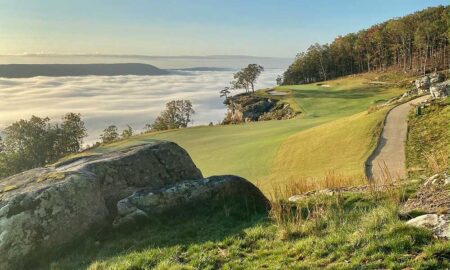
x=119, y=100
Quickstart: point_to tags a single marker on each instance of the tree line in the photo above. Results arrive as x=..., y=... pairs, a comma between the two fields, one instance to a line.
x=33, y=143
x=418, y=42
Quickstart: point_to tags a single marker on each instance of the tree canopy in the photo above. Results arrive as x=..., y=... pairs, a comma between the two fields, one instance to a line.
x=178, y=114
x=417, y=42
x=110, y=134
x=36, y=142
x=246, y=77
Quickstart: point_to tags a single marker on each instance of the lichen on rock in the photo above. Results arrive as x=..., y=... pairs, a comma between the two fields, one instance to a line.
x=46, y=209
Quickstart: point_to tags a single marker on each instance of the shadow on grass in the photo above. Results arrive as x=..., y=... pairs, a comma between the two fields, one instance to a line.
x=181, y=228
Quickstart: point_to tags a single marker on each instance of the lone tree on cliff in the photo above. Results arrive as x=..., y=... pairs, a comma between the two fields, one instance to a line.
x=224, y=92
x=246, y=77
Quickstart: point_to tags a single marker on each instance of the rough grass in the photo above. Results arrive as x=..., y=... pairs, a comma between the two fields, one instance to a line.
x=428, y=145
x=346, y=231
x=342, y=145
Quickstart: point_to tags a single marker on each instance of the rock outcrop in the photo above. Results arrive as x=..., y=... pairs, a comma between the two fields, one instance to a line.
x=430, y=206
x=422, y=84
x=248, y=108
x=433, y=84
x=432, y=197
x=440, y=90
x=46, y=209
x=146, y=203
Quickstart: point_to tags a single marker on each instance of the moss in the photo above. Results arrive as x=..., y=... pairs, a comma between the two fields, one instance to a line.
x=54, y=176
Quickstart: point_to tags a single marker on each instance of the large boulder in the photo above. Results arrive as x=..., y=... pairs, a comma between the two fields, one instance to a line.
x=436, y=77
x=147, y=203
x=46, y=209
x=440, y=90
x=423, y=84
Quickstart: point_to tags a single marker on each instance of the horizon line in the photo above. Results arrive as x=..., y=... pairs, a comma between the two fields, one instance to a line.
x=141, y=55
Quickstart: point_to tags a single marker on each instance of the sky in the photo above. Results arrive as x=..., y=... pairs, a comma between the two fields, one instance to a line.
x=277, y=28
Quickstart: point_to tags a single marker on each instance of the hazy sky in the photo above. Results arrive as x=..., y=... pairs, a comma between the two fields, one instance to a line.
x=187, y=27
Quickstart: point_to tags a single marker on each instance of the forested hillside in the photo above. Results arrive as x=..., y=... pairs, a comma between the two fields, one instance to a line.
x=418, y=42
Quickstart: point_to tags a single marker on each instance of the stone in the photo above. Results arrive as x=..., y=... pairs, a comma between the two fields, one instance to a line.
x=432, y=197
x=438, y=224
x=49, y=208
x=423, y=85
x=436, y=77
x=250, y=108
x=188, y=194
x=440, y=90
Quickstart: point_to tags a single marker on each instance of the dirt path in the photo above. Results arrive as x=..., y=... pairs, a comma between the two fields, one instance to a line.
x=390, y=152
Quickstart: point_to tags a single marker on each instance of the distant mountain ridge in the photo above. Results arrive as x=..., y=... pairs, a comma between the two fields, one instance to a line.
x=204, y=69
x=59, y=70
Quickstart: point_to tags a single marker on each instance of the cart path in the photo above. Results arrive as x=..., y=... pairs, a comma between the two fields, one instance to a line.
x=390, y=151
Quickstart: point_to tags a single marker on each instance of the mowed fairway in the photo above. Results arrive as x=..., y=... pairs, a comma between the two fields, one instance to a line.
x=257, y=151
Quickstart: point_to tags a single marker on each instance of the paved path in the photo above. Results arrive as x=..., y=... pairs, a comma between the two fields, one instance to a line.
x=390, y=152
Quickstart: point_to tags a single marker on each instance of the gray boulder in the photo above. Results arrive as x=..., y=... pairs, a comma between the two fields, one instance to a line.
x=423, y=84
x=147, y=203
x=436, y=78
x=438, y=224
x=440, y=90
x=45, y=209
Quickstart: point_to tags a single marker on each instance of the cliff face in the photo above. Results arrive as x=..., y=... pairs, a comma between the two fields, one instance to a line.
x=249, y=108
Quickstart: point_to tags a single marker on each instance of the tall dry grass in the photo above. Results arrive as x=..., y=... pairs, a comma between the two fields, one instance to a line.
x=437, y=161
x=387, y=186
x=294, y=186
x=294, y=219
x=314, y=211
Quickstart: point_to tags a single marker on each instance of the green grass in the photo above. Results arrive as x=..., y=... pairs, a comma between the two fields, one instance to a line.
x=428, y=144
x=345, y=231
x=251, y=150
x=341, y=146
x=349, y=231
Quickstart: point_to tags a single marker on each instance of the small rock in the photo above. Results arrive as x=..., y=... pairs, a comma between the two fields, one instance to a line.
x=438, y=224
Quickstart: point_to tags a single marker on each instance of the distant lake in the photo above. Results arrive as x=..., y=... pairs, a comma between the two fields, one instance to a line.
x=119, y=100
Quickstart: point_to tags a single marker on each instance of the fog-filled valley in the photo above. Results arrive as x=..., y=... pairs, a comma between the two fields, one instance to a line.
x=120, y=100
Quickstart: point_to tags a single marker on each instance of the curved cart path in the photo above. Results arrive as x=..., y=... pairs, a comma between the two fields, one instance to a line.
x=390, y=151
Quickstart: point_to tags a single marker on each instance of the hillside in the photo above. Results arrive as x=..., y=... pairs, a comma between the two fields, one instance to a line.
x=58, y=70
x=253, y=150
x=417, y=42
x=334, y=228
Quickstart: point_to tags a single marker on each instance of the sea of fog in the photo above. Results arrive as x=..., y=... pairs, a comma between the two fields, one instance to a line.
x=118, y=100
